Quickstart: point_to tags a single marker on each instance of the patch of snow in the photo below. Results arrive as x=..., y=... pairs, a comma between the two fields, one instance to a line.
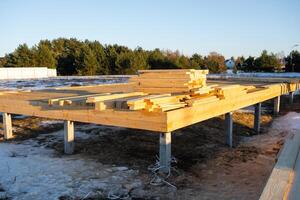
x=46, y=123
x=35, y=173
x=288, y=122
x=19, y=116
x=251, y=109
x=39, y=84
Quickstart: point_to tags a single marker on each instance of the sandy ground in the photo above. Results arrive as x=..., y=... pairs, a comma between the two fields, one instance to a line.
x=113, y=162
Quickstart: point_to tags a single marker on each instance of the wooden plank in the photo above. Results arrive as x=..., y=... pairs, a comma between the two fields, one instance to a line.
x=282, y=176
x=113, y=96
x=145, y=84
x=203, y=100
x=122, y=102
x=104, y=105
x=190, y=115
x=161, y=80
x=168, y=107
x=139, y=103
x=170, y=75
x=140, y=120
x=163, y=90
x=74, y=98
x=168, y=99
x=174, y=71
x=230, y=91
x=293, y=193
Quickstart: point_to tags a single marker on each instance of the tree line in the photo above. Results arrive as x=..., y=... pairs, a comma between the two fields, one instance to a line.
x=75, y=57
x=269, y=62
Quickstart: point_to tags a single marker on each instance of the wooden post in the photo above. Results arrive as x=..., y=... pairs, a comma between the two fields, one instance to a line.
x=291, y=97
x=165, y=152
x=228, y=122
x=276, y=105
x=7, y=126
x=69, y=137
x=257, y=115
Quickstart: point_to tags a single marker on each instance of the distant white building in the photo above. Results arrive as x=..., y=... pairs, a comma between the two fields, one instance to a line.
x=229, y=63
x=7, y=73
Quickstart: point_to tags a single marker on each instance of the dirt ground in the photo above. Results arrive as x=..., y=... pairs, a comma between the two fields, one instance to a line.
x=206, y=168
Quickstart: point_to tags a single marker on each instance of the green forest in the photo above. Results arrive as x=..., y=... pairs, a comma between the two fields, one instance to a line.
x=75, y=57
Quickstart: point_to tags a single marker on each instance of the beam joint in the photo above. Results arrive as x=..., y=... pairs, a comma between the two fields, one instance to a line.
x=7, y=126
x=69, y=137
x=165, y=152
x=229, y=125
x=257, y=116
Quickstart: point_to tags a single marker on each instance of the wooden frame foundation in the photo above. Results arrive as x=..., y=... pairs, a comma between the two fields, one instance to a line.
x=158, y=120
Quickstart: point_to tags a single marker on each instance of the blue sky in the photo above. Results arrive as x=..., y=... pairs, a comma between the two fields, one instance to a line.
x=230, y=27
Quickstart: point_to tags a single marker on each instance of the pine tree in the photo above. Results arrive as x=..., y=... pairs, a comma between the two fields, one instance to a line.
x=44, y=56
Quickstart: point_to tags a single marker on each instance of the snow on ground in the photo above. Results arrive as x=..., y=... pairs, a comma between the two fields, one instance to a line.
x=38, y=84
x=29, y=172
x=288, y=122
x=82, y=131
x=281, y=126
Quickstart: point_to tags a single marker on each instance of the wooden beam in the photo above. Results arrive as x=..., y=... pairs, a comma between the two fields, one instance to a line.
x=139, y=103
x=154, y=121
x=69, y=137
x=190, y=115
x=157, y=90
x=113, y=96
x=7, y=126
x=72, y=98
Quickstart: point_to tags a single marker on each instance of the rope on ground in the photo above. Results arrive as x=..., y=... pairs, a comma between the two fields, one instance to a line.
x=112, y=196
x=160, y=178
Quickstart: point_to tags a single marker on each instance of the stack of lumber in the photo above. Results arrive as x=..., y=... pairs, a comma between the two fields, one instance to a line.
x=158, y=103
x=169, y=81
x=159, y=91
